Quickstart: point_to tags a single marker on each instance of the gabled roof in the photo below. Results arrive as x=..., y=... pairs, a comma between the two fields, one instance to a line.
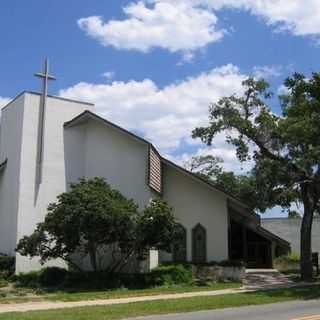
x=88, y=115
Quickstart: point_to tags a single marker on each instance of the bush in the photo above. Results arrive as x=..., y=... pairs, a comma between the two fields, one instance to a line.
x=27, y=279
x=287, y=259
x=287, y=262
x=91, y=280
x=104, y=280
x=52, y=276
x=47, y=277
x=7, y=265
x=171, y=274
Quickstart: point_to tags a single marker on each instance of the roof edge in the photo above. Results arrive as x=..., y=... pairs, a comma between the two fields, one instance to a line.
x=229, y=196
x=50, y=96
x=93, y=115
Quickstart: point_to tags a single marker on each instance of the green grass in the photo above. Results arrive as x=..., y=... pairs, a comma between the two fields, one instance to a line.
x=169, y=306
x=18, y=295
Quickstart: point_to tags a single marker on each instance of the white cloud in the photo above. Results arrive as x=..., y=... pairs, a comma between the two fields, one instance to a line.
x=282, y=90
x=300, y=17
x=4, y=101
x=108, y=75
x=166, y=116
x=189, y=25
x=177, y=27
x=267, y=72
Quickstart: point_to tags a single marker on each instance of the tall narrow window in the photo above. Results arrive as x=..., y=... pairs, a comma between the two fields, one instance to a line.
x=180, y=246
x=199, y=244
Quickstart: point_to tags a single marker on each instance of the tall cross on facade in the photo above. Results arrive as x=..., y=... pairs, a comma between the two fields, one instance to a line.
x=45, y=76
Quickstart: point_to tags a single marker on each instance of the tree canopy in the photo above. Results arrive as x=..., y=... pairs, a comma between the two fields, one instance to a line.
x=285, y=148
x=92, y=218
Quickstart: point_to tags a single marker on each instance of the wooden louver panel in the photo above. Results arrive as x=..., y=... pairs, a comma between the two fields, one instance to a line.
x=155, y=170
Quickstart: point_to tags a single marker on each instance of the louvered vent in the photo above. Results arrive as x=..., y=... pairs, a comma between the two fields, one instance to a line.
x=155, y=170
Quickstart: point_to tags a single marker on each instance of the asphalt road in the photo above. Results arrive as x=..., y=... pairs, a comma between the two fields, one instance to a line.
x=304, y=310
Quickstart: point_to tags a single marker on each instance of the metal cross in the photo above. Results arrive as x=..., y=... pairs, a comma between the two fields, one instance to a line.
x=45, y=76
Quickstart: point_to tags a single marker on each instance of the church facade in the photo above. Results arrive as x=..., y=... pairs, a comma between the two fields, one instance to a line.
x=77, y=143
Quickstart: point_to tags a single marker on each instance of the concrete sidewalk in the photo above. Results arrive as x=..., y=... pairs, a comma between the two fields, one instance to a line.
x=46, y=305
x=49, y=305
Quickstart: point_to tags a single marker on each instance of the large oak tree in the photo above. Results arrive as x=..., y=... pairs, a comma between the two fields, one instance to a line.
x=285, y=147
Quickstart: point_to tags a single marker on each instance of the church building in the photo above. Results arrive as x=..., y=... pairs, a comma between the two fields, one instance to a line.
x=47, y=142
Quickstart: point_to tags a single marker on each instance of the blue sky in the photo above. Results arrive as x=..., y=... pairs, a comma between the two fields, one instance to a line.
x=153, y=66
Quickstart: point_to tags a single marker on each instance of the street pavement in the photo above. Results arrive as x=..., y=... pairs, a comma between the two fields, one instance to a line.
x=296, y=310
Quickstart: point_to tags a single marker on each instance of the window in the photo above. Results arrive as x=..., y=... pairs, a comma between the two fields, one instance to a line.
x=199, y=244
x=180, y=247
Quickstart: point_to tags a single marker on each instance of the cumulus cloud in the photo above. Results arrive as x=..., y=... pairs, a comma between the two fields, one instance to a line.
x=267, y=72
x=188, y=25
x=166, y=116
x=302, y=18
x=177, y=27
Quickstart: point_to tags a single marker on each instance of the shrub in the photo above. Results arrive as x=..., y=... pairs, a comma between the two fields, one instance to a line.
x=52, y=276
x=171, y=274
x=27, y=279
x=3, y=283
x=7, y=265
x=287, y=259
x=91, y=280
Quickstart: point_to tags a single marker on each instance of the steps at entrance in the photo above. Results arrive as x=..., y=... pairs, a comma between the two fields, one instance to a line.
x=266, y=279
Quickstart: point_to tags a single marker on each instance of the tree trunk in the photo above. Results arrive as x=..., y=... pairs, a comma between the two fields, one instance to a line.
x=305, y=234
x=93, y=256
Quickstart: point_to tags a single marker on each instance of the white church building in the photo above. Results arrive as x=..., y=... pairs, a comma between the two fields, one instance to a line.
x=47, y=142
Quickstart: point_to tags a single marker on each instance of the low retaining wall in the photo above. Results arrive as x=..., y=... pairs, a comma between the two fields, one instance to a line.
x=218, y=273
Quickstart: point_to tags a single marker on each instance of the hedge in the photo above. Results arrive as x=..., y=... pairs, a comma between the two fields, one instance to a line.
x=171, y=274
x=7, y=266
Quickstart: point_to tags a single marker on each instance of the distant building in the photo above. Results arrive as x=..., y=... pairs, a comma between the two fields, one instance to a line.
x=289, y=229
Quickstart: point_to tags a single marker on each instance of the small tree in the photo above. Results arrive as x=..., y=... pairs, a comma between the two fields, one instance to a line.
x=92, y=218
x=286, y=148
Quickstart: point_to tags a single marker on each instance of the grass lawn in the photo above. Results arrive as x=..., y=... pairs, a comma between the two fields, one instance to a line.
x=17, y=295
x=169, y=306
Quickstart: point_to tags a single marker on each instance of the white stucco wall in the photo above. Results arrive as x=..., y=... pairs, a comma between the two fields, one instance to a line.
x=10, y=148
x=119, y=158
x=32, y=209
x=194, y=202
x=100, y=150
x=88, y=150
